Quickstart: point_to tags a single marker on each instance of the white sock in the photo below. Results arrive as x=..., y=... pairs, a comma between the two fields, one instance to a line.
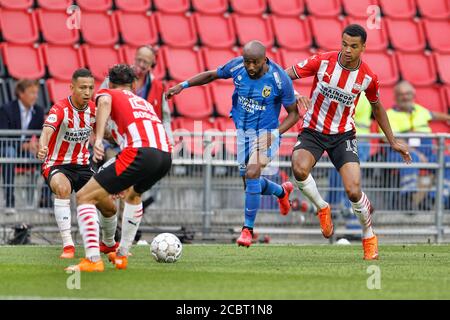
x=108, y=227
x=132, y=216
x=362, y=211
x=63, y=219
x=89, y=229
x=309, y=188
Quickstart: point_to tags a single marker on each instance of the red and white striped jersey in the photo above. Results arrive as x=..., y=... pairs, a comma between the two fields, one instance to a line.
x=133, y=121
x=335, y=92
x=73, y=127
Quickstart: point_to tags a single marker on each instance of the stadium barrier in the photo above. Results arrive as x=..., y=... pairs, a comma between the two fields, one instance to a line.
x=203, y=193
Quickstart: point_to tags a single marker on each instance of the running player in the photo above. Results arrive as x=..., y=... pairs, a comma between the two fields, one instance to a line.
x=329, y=126
x=63, y=146
x=145, y=158
x=261, y=86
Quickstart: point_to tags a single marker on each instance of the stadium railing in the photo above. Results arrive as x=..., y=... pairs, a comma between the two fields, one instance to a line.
x=203, y=192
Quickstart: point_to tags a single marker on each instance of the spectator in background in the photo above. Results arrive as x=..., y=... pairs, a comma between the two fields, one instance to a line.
x=407, y=116
x=20, y=114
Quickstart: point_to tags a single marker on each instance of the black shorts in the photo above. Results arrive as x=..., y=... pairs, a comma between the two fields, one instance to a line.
x=341, y=148
x=78, y=175
x=137, y=167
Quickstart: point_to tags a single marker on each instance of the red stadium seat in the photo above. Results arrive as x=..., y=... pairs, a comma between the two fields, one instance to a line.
x=215, y=31
x=177, y=30
x=253, y=28
x=290, y=58
x=94, y=5
x=406, y=35
x=54, y=5
x=226, y=124
x=434, y=29
x=133, y=6
x=221, y=94
x=439, y=127
x=324, y=8
x=249, y=7
x=159, y=71
x=292, y=33
x=16, y=4
x=434, y=9
x=59, y=68
x=377, y=39
x=137, y=29
x=18, y=26
x=100, y=59
x=417, y=68
x=23, y=61
x=358, y=8
x=54, y=28
x=327, y=32
x=99, y=29
x=216, y=57
x=210, y=6
x=432, y=98
x=58, y=89
x=194, y=102
x=171, y=6
x=399, y=9
x=383, y=65
x=387, y=96
x=182, y=63
x=292, y=8
x=442, y=64
x=274, y=55
x=193, y=145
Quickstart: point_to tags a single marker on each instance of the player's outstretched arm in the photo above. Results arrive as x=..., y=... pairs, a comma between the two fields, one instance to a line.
x=291, y=119
x=383, y=121
x=103, y=112
x=46, y=134
x=197, y=80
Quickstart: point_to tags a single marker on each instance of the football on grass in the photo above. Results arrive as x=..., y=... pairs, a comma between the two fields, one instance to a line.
x=166, y=247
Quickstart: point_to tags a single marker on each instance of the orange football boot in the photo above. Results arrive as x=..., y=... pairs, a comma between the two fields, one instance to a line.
x=120, y=262
x=370, y=246
x=245, y=238
x=326, y=223
x=68, y=252
x=87, y=265
x=285, y=205
x=105, y=249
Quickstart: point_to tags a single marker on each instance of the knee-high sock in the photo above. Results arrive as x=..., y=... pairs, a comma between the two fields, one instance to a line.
x=89, y=229
x=362, y=211
x=252, y=201
x=108, y=225
x=132, y=216
x=309, y=188
x=270, y=188
x=63, y=219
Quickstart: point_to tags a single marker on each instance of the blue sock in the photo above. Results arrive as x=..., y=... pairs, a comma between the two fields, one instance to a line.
x=252, y=201
x=270, y=188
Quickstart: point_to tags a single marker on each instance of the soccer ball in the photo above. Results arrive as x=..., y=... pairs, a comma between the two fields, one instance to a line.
x=166, y=247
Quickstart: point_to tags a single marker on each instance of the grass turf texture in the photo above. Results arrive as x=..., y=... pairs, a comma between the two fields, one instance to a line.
x=231, y=272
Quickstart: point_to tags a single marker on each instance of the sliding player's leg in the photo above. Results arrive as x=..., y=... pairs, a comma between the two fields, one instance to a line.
x=108, y=225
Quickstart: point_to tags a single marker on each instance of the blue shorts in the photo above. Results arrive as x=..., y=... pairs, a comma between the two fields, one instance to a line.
x=245, y=141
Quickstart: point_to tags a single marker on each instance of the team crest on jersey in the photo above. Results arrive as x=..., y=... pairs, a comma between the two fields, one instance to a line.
x=52, y=118
x=266, y=91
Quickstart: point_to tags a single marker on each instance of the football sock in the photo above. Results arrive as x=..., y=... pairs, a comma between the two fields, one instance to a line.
x=252, y=201
x=362, y=211
x=309, y=188
x=269, y=187
x=132, y=216
x=108, y=227
x=89, y=229
x=63, y=220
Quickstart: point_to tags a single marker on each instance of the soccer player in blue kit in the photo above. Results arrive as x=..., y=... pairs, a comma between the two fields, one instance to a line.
x=261, y=87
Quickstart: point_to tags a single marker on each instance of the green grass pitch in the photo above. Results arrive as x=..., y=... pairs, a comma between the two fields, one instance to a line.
x=231, y=272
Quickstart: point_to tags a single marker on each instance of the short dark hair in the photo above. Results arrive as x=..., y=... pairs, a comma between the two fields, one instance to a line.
x=122, y=74
x=24, y=84
x=82, y=73
x=355, y=30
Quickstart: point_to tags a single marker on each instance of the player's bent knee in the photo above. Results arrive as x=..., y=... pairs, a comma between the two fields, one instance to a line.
x=354, y=193
x=253, y=172
x=63, y=191
x=301, y=172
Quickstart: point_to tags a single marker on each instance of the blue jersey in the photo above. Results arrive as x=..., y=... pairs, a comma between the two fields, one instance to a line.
x=257, y=102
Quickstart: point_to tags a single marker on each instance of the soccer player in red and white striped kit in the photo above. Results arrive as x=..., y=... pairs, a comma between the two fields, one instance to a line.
x=63, y=146
x=339, y=78
x=144, y=159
